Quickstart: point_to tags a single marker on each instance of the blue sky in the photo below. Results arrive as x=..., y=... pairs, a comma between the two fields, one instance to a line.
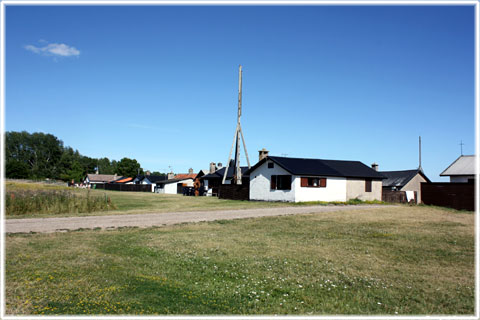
x=159, y=83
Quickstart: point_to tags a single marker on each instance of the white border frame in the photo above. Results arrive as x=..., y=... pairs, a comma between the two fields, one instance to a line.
x=474, y=3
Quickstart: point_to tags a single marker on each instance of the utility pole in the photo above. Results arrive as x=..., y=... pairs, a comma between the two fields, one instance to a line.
x=420, y=153
x=236, y=139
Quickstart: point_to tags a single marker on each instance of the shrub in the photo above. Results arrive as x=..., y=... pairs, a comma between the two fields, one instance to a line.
x=28, y=201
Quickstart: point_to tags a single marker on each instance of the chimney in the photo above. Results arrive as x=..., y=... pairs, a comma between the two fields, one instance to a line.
x=262, y=154
x=96, y=172
x=170, y=175
x=375, y=166
x=148, y=173
x=219, y=165
x=212, y=167
x=190, y=171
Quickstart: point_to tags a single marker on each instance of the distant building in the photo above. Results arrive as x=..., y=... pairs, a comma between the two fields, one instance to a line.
x=123, y=180
x=94, y=179
x=150, y=179
x=175, y=183
x=461, y=170
x=405, y=180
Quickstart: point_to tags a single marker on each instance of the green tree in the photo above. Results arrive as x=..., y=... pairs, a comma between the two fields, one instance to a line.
x=158, y=173
x=105, y=166
x=40, y=152
x=129, y=167
x=17, y=169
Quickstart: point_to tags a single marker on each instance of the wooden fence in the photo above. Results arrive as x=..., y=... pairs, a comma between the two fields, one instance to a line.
x=396, y=196
x=460, y=196
x=234, y=192
x=125, y=187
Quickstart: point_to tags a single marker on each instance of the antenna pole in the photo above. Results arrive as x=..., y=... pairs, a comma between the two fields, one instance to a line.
x=420, y=153
x=461, y=147
x=237, y=173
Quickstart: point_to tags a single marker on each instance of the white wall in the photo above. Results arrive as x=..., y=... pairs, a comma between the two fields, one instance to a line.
x=336, y=190
x=171, y=188
x=415, y=185
x=260, y=185
x=356, y=189
x=460, y=178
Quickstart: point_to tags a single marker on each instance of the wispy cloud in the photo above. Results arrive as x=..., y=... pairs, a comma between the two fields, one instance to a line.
x=54, y=49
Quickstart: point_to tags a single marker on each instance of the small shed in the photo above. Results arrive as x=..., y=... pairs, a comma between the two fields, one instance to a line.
x=405, y=180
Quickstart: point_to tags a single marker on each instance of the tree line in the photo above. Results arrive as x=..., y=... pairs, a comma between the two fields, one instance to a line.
x=43, y=156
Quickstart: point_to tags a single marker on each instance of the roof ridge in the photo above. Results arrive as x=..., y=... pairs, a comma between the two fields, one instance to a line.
x=314, y=159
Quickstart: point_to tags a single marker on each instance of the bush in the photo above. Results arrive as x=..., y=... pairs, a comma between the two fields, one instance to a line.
x=28, y=201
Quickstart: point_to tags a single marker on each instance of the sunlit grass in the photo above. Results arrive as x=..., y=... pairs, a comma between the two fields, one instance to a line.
x=28, y=200
x=402, y=260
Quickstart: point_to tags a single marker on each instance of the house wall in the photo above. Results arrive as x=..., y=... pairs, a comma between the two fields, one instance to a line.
x=414, y=185
x=171, y=188
x=461, y=178
x=146, y=181
x=260, y=185
x=334, y=191
x=356, y=189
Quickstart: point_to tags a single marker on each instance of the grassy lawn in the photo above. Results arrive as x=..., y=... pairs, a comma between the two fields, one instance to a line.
x=137, y=202
x=398, y=260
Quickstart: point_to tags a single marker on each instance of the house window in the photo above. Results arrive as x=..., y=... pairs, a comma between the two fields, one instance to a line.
x=281, y=182
x=270, y=165
x=313, y=182
x=368, y=185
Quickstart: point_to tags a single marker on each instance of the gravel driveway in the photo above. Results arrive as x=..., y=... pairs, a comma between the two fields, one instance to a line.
x=160, y=219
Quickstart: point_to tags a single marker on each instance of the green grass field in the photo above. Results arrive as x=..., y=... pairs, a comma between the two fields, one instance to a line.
x=398, y=260
x=136, y=202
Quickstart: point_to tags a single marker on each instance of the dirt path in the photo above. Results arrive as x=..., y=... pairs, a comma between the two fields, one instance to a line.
x=160, y=219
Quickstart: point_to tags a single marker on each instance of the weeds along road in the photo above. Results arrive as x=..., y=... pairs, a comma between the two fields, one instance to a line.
x=162, y=219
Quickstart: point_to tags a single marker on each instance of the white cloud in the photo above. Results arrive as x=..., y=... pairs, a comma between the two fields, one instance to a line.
x=54, y=49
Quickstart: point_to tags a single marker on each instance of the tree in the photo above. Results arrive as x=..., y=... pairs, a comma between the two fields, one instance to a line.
x=129, y=167
x=17, y=169
x=105, y=166
x=39, y=152
x=76, y=172
x=157, y=173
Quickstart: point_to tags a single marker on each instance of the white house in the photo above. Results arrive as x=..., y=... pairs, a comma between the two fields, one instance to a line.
x=461, y=170
x=152, y=180
x=299, y=180
x=175, y=185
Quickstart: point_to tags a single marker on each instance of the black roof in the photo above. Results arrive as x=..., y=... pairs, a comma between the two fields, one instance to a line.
x=154, y=179
x=400, y=178
x=321, y=167
x=220, y=172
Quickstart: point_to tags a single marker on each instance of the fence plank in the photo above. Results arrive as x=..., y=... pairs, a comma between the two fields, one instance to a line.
x=460, y=196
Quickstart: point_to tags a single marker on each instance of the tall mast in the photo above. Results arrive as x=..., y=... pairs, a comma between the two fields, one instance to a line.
x=237, y=173
x=420, y=153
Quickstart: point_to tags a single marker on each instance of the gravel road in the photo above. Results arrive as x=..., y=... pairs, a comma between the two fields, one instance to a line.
x=160, y=219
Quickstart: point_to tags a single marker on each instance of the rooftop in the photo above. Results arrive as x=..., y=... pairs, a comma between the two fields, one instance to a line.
x=400, y=178
x=463, y=166
x=322, y=167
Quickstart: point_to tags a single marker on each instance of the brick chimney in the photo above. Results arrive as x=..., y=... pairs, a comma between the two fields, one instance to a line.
x=170, y=175
x=262, y=154
x=375, y=166
x=212, y=167
x=147, y=173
